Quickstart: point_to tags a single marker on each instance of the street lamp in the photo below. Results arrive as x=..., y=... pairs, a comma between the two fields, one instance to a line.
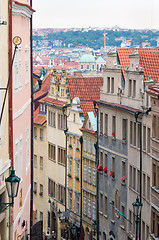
x=12, y=185
x=137, y=211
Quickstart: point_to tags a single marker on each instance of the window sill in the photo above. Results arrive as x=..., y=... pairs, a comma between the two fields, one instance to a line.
x=100, y=212
x=122, y=227
x=106, y=216
x=112, y=221
x=52, y=160
x=123, y=183
x=113, y=178
x=41, y=168
x=124, y=141
x=155, y=189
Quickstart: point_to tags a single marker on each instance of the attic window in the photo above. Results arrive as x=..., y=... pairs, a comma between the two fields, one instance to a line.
x=89, y=125
x=74, y=117
x=62, y=92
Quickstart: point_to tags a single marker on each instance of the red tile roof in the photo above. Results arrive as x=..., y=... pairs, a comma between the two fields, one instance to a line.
x=87, y=107
x=149, y=60
x=53, y=101
x=39, y=118
x=119, y=106
x=86, y=88
x=44, y=88
x=154, y=90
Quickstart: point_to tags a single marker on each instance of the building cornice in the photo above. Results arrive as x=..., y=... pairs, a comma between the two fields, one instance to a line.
x=23, y=10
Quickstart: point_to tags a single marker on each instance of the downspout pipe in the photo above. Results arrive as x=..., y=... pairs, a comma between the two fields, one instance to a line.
x=32, y=149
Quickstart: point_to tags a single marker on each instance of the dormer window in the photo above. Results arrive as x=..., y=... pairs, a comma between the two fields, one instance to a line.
x=74, y=117
x=89, y=125
x=108, y=84
x=42, y=108
x=134, y=88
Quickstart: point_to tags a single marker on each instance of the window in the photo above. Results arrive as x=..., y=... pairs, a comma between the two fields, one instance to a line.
x=94, y=177
x=61, y=193
x=130, y=176
x=41, y=162
x=41, y=190
x=62, y=92
x=26, y=65
x=41, y=107
x=41, y=134
x=130, y=88
x=85, y=172
x=138, y=181
x=89, y=208
x=27, y=149
x=113, y=213
x=112, y=85
x=35, y=160
x=87, y=67
x=106, y=125
x=105, y=160
x=51, y=152
x=113, y=164
x=113, y=124
x=134, y=178
x=138, y=135
x=101, y=158
x=123, y=168
x=148, y=188
x=77, y=169
x=81, y=66
x=77, y=203
x=93, y=147
x=74, y=117
x=70, y=144
x=78, y=143
x=105, y=205
x=134, y=134
x=144, y=185
x=108, y=84
x=130, y=220
x=35, y=186
x=70, y=199
x=61, y=121
x=122, y=218
x=51, y=118
x=35, y=132
x=124, y=129
x=84, y=206
x=61, y=155
x=131, y=132
x=101, y=202
x=93, y=67
x=93, y=211
x=51, y=188
x=144, y=137
x=35, y=216
x=85, y=143
x=148, y=140
x=147, y=232
x=143, y=230
x=70, y=167
x=89, y=145
x=134, y=88
x=101, y=123
x=89, y=175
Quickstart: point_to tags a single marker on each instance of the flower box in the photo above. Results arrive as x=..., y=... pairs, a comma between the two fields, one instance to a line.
x=123, y=179
x=70, y=145
x=100, y=168
x=69, y=175
x=35, y=191
x=113, y=136
x=41, y=193
x=124, y=141
x=105, y=170
x=112, y=174
x=77, y=178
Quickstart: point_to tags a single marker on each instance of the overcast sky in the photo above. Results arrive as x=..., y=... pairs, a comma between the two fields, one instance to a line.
x=96, y=13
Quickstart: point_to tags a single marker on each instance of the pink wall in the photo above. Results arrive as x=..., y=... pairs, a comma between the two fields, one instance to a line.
x=22, y=120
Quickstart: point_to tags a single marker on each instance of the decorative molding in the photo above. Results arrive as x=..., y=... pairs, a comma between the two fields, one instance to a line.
x=17, y=114
x=21, y=10
x=5, y=167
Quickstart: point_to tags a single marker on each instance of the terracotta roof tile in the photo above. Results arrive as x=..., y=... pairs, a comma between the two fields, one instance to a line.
x=39, y=118
x=53, y=101
x=149, y=60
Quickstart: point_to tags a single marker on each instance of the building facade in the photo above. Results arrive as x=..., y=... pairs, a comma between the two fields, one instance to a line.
x=21, y=17
x=4, y=125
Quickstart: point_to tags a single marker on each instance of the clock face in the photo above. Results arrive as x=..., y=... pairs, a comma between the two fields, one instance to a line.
x=17, y=40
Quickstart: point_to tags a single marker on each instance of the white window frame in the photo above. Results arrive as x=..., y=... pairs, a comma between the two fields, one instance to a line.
x=85, y=144
x=89, y=145
x=94, y=177
x=89, y=175
x=93, y=210
x=89, y=208
x=84, y=206
x=85, y=172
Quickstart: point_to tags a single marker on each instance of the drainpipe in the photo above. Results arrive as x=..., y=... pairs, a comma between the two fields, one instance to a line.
x=31, y=65
x=97, y=163
x=81, y=237
x=10, y=110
